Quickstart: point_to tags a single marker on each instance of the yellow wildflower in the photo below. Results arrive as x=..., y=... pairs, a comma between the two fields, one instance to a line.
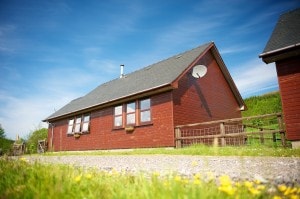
x=290, y=190
x=197, y=182
x=294, y=196
x=227, y=189
x=177, y=178
x=261, y=187
x=185, y=181
x=248, y=184
x=23, y=159
x=77, y=179
x=277, y=197
x=88, y=176
x=282, y=187
x=166, y=184
x=257, y=181
x=254, y=191
x=225, y=180
x=197, y=176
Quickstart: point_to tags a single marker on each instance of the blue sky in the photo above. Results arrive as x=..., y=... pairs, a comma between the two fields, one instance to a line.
x=54, y=51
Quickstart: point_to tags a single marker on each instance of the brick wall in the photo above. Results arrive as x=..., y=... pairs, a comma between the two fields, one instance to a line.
x=288, y=72
x=204, y=99
x=102, y=135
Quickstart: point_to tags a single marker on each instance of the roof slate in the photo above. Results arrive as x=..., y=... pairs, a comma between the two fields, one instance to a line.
x=286, y=32
x=153, y=76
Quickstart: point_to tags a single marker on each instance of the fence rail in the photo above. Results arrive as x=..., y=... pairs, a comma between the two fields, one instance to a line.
x=237, y=131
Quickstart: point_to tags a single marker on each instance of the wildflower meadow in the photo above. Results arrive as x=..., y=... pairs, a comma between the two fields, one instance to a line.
x=23, y=179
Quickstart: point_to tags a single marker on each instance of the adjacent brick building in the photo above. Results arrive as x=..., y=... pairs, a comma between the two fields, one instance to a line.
x=283, y=48
x=140, y=109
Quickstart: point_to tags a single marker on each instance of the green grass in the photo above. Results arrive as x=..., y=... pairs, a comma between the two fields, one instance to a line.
x=20, y=179
x=252, y=150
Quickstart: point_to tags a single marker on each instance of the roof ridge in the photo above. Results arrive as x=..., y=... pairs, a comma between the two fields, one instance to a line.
x=162, y=60
x=149, y=66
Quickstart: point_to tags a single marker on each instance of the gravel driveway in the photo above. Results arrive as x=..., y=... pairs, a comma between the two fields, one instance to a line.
x=266, y=169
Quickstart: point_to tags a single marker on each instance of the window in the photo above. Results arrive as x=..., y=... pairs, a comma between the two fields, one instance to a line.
x=85, y=123
x=70, y=126
x=118, y=120
x=134, y=113
x=79, y=124
x=130, y=113
x=145, y=112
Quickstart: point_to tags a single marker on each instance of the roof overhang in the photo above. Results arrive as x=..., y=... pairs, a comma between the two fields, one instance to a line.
x=212, y=47
x=134, y=96
x=229, y=79
x=280, y=54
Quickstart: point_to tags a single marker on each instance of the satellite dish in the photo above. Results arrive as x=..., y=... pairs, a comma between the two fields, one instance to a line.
x=199, y=71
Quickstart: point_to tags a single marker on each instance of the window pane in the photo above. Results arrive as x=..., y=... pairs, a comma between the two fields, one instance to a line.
x=77, y=128
x=85, y=127
x=130, y=119
x=70, y=129
x=131, y=107
x=78, y=120
x=86, y=118
x=77, y=125
x=145, y=104
x=145, y=116
x=70, y=126
x=118, y=121
x=118, y=110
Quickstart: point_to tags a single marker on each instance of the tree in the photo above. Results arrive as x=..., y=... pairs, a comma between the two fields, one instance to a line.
x=34, y=137
x=2, y=132
x=5, y=144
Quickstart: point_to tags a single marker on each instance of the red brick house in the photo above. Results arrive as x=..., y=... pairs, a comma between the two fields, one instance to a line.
x=283, y=48
x=140, y=109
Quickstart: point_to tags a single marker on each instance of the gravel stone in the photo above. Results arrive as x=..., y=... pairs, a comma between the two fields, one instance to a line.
x=274, y=170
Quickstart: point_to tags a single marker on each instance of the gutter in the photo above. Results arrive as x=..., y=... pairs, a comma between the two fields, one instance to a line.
x=278, y=50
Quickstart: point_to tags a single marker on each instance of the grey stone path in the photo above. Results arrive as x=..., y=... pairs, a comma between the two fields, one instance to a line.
x=269, y=169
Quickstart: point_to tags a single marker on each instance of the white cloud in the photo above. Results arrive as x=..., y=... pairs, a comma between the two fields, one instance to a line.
x=54, y=89
x=255, y=77
x=237, y=49
x=19, y=116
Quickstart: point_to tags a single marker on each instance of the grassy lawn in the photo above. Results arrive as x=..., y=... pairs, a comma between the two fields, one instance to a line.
x=253, y=150
x=20, y=179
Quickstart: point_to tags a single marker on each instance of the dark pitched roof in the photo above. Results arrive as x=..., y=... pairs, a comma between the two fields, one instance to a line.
x=154, y=76
x=286, y=33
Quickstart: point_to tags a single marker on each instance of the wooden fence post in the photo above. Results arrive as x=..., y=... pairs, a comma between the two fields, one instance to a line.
x=281, y=130
x=222, y=132
x=177, y=137
x=261, y=136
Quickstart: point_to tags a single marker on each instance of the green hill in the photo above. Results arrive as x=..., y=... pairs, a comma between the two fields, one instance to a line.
x=264, y=104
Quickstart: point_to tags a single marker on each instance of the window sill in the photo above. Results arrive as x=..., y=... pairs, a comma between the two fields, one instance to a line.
x=80, y=133
x=134, y=126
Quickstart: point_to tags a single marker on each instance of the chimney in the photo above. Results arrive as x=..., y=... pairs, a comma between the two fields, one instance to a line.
x=122, y=71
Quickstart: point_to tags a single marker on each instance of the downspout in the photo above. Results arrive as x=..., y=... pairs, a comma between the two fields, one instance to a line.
x=52, y=131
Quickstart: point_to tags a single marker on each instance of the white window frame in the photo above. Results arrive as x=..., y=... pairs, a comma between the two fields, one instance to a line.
x=70, y=126
x=79, y=124
x=131, y=113
x=118, y=115
x=144, y=110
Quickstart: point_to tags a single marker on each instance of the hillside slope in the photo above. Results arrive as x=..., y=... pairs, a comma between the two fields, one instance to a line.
x=264, y=104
